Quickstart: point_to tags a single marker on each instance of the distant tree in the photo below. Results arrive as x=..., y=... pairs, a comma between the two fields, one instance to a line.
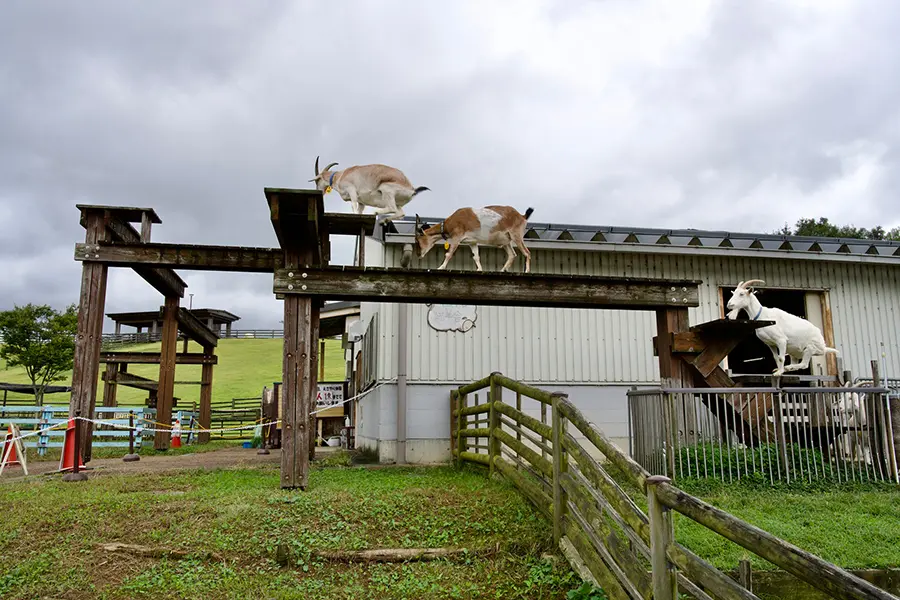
x=40, y=339
x=822, y=227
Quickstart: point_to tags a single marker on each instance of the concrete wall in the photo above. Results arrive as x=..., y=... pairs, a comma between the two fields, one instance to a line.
x=428, y=417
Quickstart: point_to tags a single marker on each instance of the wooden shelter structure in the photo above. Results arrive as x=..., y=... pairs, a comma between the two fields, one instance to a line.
x=304, y=279
x=216, y=319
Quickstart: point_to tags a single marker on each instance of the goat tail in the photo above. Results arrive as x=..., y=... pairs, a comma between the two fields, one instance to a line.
x=831, y=351
x=528, y=212
x=420, y=189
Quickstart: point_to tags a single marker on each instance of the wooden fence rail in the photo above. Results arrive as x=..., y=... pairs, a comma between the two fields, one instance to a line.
x=561, y=463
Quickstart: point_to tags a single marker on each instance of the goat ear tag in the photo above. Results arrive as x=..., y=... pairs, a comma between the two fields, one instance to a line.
x=446, y=245
x=328, y=189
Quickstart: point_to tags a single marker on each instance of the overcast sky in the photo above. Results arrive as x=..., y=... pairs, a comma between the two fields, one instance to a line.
x=726, y=115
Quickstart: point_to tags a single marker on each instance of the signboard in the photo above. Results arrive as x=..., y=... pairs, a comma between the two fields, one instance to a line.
x=330, y=394
x=451, y=317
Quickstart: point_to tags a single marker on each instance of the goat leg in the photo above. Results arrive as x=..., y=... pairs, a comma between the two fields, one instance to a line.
x=510, y=257
x=477, y=257
x=448, y=255
x=807, y=355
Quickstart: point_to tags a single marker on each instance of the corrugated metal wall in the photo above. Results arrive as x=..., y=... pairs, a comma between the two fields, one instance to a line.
x=598, y=346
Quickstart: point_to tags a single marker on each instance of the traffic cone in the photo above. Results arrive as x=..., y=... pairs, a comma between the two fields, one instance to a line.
x=67, y=459
x=9, y=446
x=176, y=434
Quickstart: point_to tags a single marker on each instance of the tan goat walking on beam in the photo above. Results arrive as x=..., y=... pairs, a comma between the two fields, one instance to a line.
x=500, y=226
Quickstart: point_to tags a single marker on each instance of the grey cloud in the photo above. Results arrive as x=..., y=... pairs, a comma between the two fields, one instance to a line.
x=194, y=108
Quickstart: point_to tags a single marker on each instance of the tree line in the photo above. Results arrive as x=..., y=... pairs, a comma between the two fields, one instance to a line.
x=822, y=227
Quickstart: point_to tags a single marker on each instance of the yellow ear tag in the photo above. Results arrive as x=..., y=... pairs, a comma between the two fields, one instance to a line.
x=446, y=245
x=328, y=189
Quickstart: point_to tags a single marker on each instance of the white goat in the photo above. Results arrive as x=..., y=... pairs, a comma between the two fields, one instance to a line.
x=384, y=188
x=500, y=226
x=851, y=409
x=789, y=336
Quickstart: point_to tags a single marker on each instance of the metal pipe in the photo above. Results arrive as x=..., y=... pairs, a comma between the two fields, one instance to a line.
x=402, y=327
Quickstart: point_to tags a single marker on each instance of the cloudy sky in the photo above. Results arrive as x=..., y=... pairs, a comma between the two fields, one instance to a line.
x=727, y=115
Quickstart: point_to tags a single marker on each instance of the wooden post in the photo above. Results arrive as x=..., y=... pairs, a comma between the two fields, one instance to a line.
x=313, y=379
x=131, y=456
x=146, y=224
x=321, y=360
x=543, y=421
x=461, y=423
x=745, y=574
x=454, y=405
x=161, y=439
x=662, y=534
x=362, y=247
x=670, y=431
x=299, y=346
x=881, y=434
x=518, y=433
x=673, y=372
x=496, y=395
x=109, y=384
x=560, y=466
x=86, y=366
x=206, y=379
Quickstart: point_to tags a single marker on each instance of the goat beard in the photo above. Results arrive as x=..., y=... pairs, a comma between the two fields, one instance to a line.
x=733, y=314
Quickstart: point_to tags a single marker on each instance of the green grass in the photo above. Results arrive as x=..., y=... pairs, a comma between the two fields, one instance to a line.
x=855, y=526
x=245, y=366
x=47, y=543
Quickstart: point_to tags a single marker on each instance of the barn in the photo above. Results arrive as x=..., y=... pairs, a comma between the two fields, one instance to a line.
x=849, y=288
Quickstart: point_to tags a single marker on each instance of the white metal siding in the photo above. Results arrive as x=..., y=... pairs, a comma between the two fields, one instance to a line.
x=604, y=346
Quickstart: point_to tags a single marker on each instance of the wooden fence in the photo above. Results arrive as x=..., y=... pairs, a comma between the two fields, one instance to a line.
x=559, y=465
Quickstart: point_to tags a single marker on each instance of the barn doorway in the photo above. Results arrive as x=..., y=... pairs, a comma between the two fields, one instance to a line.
x=752, y=357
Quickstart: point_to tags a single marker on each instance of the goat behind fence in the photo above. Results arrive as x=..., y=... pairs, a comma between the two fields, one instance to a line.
x=775, y=434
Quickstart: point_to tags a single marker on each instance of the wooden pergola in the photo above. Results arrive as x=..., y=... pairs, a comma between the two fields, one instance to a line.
x=304, y=279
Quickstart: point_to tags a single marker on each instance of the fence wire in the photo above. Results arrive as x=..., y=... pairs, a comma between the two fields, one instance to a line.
x=766, y=434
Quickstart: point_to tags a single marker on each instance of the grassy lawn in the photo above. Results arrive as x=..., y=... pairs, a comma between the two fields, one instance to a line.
x=852, y=526
x=245, y=366
x=48, y=541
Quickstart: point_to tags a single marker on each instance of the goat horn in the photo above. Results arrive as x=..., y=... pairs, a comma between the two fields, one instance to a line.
x=329, y=166
x=317, y=166
x=751, y=281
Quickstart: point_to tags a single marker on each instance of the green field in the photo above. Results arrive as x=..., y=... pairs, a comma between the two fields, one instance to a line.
x=245, y=366
x=232, y=522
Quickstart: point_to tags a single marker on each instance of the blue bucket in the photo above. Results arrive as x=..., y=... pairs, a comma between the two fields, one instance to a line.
x=247, y=444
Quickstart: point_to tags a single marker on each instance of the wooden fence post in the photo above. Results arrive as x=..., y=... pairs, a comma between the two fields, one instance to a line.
x=745, y=574
x=454, y=424
x=662, y=534
x=670, y=430
x=495, y=395
x=462, y=400
x=560, y=466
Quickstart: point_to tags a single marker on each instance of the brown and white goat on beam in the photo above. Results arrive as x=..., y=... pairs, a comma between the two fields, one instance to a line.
x=384, y=188
x=500, y=226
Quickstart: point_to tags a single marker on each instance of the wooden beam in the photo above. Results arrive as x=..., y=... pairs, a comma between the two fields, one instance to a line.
x=133, y=381
x=166, y=373
x=153, y=358
x=129, y=214
x=183, y=256
x=195, y=329
x=86, y=365
x=486, y=288
x=166, y=281
x=349, y=224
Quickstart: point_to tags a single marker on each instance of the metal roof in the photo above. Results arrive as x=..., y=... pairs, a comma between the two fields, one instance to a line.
x=683, y=241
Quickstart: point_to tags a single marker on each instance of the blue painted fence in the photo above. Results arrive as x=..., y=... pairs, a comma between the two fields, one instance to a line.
x=33, y=418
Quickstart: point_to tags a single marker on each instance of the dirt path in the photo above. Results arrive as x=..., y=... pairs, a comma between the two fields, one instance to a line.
x=224, y=458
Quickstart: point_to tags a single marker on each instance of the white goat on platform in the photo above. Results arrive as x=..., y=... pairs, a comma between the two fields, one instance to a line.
x=384, y=188
x=789, y=336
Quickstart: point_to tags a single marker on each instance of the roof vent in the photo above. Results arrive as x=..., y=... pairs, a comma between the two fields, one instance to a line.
x=726, y=243
x=757, y=244
x=663, y=239
x=598, y=237
x=565, y=235
x=631, y=239
x=695, y=241
x=785, y=245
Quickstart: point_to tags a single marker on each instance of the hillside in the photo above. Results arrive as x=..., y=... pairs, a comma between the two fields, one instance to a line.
x=245, y=366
